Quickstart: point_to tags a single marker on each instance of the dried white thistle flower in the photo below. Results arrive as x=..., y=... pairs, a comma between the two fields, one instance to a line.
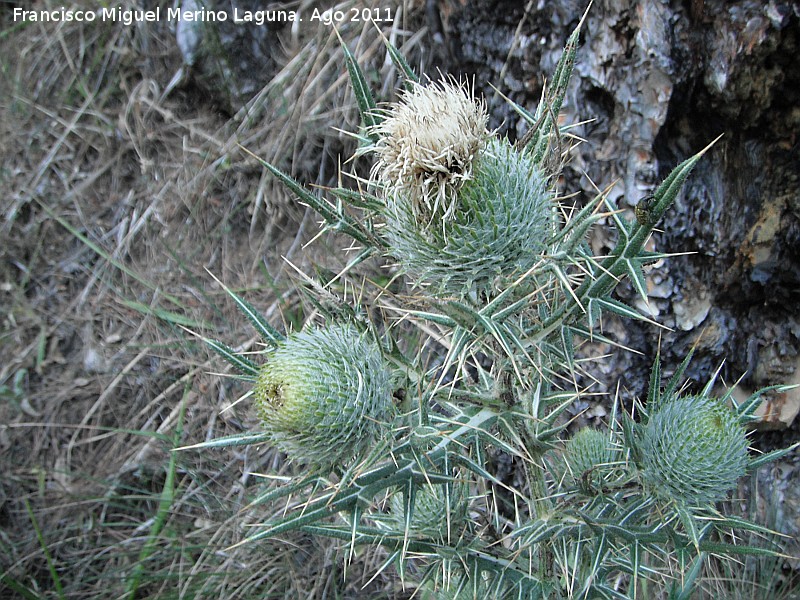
x=501, y=222
x=427, y=144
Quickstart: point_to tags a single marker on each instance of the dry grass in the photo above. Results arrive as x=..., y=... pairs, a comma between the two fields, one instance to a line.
x=115, y=201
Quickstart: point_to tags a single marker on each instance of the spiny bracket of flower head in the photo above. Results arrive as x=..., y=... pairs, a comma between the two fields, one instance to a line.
x=324, y=395
x=495, y=226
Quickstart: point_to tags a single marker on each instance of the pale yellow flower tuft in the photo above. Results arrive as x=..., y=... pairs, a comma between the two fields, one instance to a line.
x=427, y=144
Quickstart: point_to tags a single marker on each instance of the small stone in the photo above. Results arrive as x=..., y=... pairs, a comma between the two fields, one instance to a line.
x=692, y=310
x=599, y=411
x=94, y=362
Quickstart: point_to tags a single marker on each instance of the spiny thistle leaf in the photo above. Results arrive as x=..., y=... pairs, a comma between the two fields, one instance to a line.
x=636, y=275
x=239, y=439
x=671, y=389
x=773, y=456
x=632, y=238
x=336, y=220
x=400, y=61
x=267, y=332
x=364, y=99
x=243, y=364
x=748, y=408
x=665, y=195
x=654, y=387
x=548, y=110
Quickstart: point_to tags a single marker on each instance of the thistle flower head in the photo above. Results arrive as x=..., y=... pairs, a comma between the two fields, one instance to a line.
x=692, y=450
x=500, y=223
x=324, y=395
x=427, y=144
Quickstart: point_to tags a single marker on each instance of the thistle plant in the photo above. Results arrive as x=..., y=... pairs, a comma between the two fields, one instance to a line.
x=399, y=453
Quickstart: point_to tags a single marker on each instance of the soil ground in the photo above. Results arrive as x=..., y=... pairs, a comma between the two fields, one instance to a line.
x=122, y=202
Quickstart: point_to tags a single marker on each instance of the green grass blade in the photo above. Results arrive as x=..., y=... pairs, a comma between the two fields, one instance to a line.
x=166, y=315
x=48, y=558
x=20, y=589
x=164, y=504
x=106, y=256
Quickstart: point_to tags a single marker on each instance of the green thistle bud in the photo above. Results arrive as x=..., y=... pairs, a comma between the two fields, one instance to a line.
x=324, y=396
x=692, y=450
x=432, y=516
x=589, y=456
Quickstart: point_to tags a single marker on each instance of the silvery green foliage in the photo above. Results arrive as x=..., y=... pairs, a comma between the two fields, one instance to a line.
x=498, y=226
x=459, y=591
x=693, y=450
x=324, y=395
